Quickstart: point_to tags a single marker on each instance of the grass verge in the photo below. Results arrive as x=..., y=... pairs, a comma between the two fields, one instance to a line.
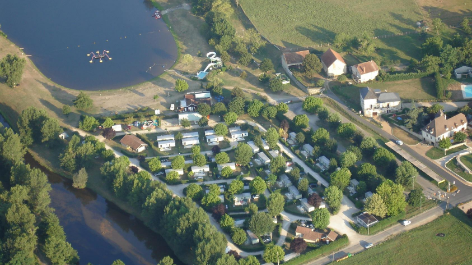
x=452, y=165
x=436, y=153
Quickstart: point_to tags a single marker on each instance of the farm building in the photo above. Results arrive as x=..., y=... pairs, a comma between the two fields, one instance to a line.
x=294, y=192
x=165, y=145
x=117, y=128
x=265, y=146
x=308, y=234
x=374, y=102
x=180, y=171
x=331, y=236
x=165, y=137
x=242, y=199
x=263, y=157
x=364, y=72
x=252, y=237
x=239, y=135
x=255, y=149
x=189, y=142
x=366, y=220
x=308, y=207
x=191, y=116
x=274, y=153
x=133, y=143
x=463, y=72
x=214, y=139
x=232, y=165
x=294, y=58
x=209, y=132
x=442, y=127
x=189, y=135
x=333, y=63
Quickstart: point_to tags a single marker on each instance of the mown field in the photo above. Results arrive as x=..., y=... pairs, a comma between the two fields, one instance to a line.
x=422, y=246
x=309, y=23
x=450, y=11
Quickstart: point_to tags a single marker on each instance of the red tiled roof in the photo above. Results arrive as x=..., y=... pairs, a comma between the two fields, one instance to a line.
x=308, y=234
x=367, y=67
x=132, y=141
x=330, y=56
x=294, y=58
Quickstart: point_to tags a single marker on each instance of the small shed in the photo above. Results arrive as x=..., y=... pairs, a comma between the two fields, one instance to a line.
x=274, y=153
x=214, y=139
x=190, y=135
x=354, y=183
x=239, y=135
x=252, y=237
x=308, y=207
x=63, y=135
x=308, y=148
x=231, y=165
x=165, y=145
x=117, y=128
x=265, y=146
x=366, y=220
x=197, y=169
x=234, y=129
x=292, y=136
x=285, y=180
x=133, y=142
x=209, y=132
x=165, y=137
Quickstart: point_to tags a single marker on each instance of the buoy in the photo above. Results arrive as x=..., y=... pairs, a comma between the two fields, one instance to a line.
x=125, y=37
x=101, y=61
x=88, y=54
x=98, y=52
x=90, y=61
x=110, y=59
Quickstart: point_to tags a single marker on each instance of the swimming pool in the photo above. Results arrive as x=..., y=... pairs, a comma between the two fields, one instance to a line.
x=466, y=91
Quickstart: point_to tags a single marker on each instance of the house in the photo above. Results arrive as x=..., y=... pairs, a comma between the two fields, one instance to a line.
x=463, y=72
x=190, y=135
x=231, y=165
x=354, y=183
x=255, y=149
x=366, y=220
x=364, y=72
x=214, y=139
x=191, y=100
x=263, y=157
x=294, y=58
x=308, y=148
x=117, y=128
x=63, y=135
x=209, y=132
x=274, y=153
x=165, y=137
x=252, y=237
x=133, y=142
x=294, y=192
x=265, y=146
x=292, y=136
x=238, y=135
x=308, y=234
x=323, y=163
x=333, y=63
x=331, y=236
x=308, y=207
x=191, y=116
x=234, y=129
x=374, y=102
x=180, y=171
x=189, y=142
x=200, y=170
x=285, y=180
x=165, y=145
x=242, y=199
x=442, y=127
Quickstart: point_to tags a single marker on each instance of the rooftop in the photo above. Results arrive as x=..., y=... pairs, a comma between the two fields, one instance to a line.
x=295, y=58
x=132, y=141
x=367, y=218
x=330, y=56
x=367, y=67
x=440, y=125
x=308, y=233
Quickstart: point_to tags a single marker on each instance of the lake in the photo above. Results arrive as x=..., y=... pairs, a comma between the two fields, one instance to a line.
x=58, y=35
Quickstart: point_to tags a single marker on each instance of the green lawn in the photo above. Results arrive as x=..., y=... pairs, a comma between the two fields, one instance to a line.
x=422, y=246
x=436, y=153
x=467, y=160
x=452, y=165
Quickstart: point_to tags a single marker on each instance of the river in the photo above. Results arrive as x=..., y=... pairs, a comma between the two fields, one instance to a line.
x=99, y=230
x=58, y=35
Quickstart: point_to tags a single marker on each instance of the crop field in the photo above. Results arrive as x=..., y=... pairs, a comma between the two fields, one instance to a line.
x=309, y=23
x=422, y=245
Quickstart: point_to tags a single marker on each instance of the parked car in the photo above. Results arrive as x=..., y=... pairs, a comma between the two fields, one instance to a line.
x=369, y=245
x=399, y=142
x=406, y=222
x=172, y=107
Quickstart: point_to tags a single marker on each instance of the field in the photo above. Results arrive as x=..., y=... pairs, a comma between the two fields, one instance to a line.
x=404, y=136
x=422, y=246
x=451, y=11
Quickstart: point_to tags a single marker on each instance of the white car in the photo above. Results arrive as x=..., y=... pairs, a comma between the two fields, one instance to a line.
x=406, y=222
x=172, y=106
x=399, y=142
x=369, y=245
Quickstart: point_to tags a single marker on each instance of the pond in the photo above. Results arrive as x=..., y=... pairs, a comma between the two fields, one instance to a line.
x=99, y=230
x=59, y=34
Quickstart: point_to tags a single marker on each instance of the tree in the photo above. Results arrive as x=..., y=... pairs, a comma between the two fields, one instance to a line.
x=300, y=138
x=237, y=92
x=66, y=110
x=356, y=150
x=334, y=120
x=301, y=120
x=269, y=112
x=235, y=187
x=341, y=178
x=199, y=160
x=333, y=197
x=243, y=154
x=323, y=113
x=243, y=75
x=341, y=40
x=320, y=136
x=320, y=218
x=215, y=149
x=109, y=133
x=204, y=109
x=88, y=124
x=383, y=157
x=226, y=172
x=368, y=146
x=275, y=85
x=219, y=108
x=254, y=108
x=298, y=245
x=181, y=85
x=465, y=26
x=11, y=67
x=226, y=223
x=221, y=129
x=238, y=236
x=237, y=105
x=320, y=83
x=445, y=143
x=50, y=131
x=392, y=195
x=185, y=123
x=257, y=185
x=347, y=130
x=83, y=101
x=226, y=259
x=348, y=159
x=221, y=158
x=274, y=254
x=361, y=187
x=416, y=197
x=432, y=46
x=80, y=179
x=231, y=118
x=203, y=121
x=295, y=174
x=108, y=123
x=434, y=109
x=438, y=25
x=460, y=137
x=311, y=64
x=211, y=198
x=277, y=164
x=315, y=200
x=272, y=137
x=376, y=206
x=275, y=204
x=266, y=65
x=194, y=191
x=252, y=209
x=167, y=260
x=68, y=160
x=405, y=174
x=303, y=185
x=311, y=104
x=255, y=40
x=250, y=260
x=282, y=107
x=178, y=162
x=187, y=58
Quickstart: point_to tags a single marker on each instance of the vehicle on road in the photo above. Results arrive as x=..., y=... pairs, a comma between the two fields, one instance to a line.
x=369, y=245
x=172, y=107
x=406, y=222
x=399, y=142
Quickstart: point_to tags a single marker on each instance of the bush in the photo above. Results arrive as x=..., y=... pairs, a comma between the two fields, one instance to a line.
x=339, y=243
x=403, y=76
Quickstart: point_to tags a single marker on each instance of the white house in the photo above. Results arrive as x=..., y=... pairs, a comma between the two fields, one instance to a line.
x=242, y=199
x=274, y=153
x=191, y=116
x=165, y=137
x=308, y=148
x=180, y=171
x=252, y=237
x=308, y=207
x=231, y=165
x=265, y=146
x=463, y=71
x=374, y=102
x=364, y=72
x=442, y=127
x=165, y=145
x=238, y=135
x=285, y=181
x=209, y=132
x=189, y=142
x=117, y=128
x=255, y=149
x=199, y=170
x=333, y=63
x=294, y=192
x=133, y=142
x=263, y=157
x=189, y=135
x=214, y=139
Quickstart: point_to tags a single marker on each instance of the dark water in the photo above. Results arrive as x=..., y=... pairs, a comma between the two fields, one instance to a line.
x=99, y=230
x=60, y=34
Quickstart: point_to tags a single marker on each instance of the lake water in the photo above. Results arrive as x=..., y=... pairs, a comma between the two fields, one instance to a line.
x=59, y=34
x=99, y=230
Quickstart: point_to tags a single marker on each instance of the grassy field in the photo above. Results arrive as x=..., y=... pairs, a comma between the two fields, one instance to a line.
x=451, y=11
x=467, y=160
x=436, y=153
x=452, y=165
x=422, y=246
x=404, y=136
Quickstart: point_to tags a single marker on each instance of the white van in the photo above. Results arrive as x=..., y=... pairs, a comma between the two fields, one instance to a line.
x=171, y=106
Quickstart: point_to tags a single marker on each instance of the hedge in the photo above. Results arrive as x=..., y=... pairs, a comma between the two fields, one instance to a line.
x=338, y=244
x=380, y=226
x=404, y=76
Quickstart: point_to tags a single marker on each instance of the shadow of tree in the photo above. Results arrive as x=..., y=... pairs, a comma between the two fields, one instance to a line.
x=61, y=95
x=449, y=17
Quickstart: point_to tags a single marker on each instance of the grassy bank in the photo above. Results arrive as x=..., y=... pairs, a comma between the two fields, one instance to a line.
x=436, y=153
x=453, y=165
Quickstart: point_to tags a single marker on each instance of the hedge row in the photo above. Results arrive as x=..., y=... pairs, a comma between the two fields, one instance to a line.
x=380, y=226
x=403, y=76
x=339, y=243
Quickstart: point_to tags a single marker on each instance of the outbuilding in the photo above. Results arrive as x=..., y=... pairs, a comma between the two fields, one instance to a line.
x=254, y=147
x=189, y=142
x=366, y=220
x=263, y=157
x=133, y=143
